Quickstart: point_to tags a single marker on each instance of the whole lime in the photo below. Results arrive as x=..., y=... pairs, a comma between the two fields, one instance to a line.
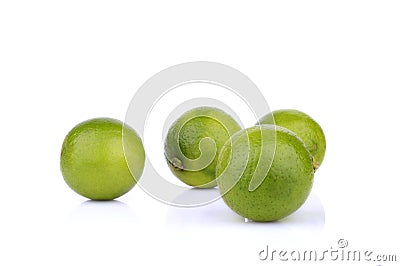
x=281, y=160
x=193, y=143
x=93, y=161
x=303, y=126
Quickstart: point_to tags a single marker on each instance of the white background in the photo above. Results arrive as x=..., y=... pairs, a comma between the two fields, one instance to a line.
x=62, y=62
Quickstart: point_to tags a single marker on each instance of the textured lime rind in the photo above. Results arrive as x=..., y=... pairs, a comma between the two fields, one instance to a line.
x=193, y=142
x=285, y=186
x=303, y=126
x=93, y=162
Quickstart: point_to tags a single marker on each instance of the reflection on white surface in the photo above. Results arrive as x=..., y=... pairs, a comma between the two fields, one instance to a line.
x=309, y=218
x=102, y=212
x=214, y=213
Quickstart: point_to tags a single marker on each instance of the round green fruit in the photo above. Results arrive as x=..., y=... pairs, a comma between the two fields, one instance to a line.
x=93, y=161
x=286, y=170
x=193, y=143
x=303, y=126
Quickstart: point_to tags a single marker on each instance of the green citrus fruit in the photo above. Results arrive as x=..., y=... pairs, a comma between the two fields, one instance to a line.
x=93, y=161
x=303, y=126
x=280, y=159
x=193, y=142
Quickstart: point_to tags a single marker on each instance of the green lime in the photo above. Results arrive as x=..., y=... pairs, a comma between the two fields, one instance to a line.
x=93, y=161
x=193, y=143
x=303, y=126
x=286, y=170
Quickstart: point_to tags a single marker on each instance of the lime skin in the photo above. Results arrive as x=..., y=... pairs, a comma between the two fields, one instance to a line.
x=93, y=162
x=193, y=143
x=303, y=126
x=286, y=182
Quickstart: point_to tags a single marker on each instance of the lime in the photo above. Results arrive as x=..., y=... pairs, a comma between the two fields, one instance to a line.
x=193, y=142
x=93, y=161
x=287, y=173
x=303, y=126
